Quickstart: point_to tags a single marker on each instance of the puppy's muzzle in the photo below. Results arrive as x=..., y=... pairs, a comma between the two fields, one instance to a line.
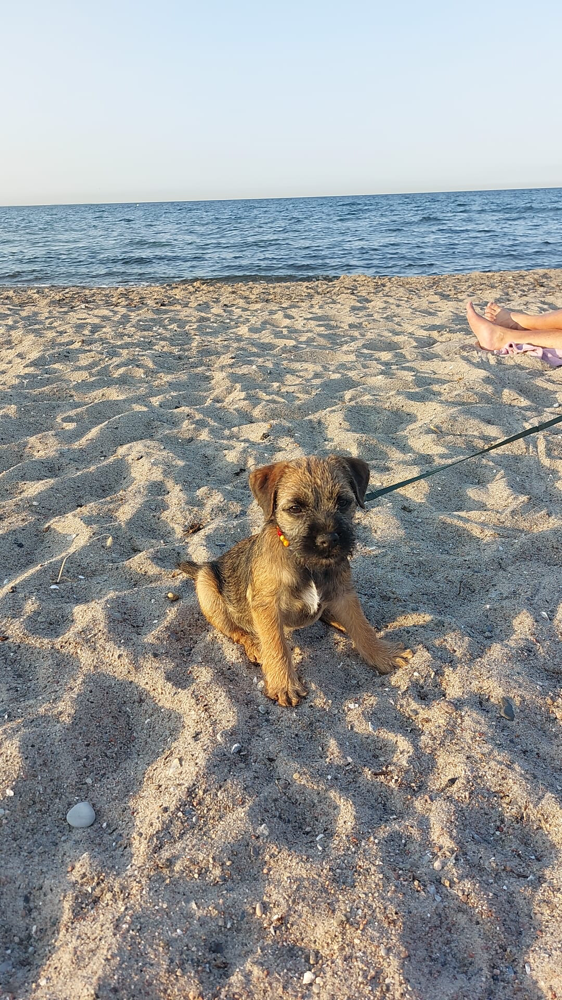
x=327, y=541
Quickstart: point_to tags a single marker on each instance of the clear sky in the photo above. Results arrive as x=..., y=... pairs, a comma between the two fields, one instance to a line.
x=178, y=100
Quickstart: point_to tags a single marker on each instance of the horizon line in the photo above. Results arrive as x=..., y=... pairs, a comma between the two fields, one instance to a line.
x=195, y=201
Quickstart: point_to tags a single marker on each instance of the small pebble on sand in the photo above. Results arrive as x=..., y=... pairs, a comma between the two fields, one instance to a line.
x=308, y=978
x=172, y=597
x=259, y=909
x=507, y=709
x=81, y=815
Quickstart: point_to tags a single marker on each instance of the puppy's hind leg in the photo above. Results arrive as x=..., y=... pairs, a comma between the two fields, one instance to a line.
x=215, y=611
x=328, y=619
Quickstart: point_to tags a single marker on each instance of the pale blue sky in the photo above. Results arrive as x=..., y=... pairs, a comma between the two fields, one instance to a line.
x=170, y=100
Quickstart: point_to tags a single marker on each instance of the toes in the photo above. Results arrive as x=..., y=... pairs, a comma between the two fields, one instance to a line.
x=280, y=695
x=403, y=657
x=392, y=658
x=296, y=696
x=297, y=692
x=287, y=696
x=252, y=651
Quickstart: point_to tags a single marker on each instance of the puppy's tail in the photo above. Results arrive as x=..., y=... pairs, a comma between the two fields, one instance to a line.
x=190, y=568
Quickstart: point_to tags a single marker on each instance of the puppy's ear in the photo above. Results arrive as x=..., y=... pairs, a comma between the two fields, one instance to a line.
x=357, y=472
x=264, y=483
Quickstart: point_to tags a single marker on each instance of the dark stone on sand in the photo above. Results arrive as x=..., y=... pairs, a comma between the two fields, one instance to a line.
x=507, y=710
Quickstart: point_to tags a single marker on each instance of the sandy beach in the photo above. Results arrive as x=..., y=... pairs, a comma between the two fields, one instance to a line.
x=402, y=836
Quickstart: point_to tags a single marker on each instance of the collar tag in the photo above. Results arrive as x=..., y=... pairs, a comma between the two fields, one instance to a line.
x=282, y=537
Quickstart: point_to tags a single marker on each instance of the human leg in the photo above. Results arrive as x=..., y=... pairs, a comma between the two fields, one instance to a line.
x=511, y=320
x=493, y=337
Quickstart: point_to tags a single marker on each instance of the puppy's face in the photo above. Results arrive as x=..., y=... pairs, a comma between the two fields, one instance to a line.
x=312, y=501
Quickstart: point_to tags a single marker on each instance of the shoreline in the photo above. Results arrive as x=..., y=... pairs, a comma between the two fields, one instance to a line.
x=382, y=816
x=246, y=279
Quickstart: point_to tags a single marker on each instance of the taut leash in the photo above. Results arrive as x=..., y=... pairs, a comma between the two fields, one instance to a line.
x=375, y=494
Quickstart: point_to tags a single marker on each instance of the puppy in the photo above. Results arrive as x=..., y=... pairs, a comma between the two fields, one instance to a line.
x=294, y=571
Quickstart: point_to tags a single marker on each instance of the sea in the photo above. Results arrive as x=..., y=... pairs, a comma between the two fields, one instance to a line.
x=402, y=234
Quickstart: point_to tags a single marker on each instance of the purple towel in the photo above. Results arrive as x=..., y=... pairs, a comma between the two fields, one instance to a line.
x=549, y=354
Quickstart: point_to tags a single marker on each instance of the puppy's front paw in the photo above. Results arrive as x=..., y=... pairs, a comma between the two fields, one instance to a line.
x=287, y=692
x=388, y=656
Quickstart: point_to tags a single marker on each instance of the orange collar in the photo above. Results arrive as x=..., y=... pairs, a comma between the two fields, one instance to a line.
x=282, y=537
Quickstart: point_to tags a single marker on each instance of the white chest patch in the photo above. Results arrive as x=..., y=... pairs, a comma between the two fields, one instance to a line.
x=310, y=597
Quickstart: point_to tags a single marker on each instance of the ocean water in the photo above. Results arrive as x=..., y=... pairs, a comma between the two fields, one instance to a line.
x=285, y=237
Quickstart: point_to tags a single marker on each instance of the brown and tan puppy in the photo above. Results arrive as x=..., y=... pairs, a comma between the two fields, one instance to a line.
x=294, y=571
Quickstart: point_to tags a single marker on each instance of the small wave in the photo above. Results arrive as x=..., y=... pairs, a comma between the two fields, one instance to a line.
x=232, y=279
x=132, y=261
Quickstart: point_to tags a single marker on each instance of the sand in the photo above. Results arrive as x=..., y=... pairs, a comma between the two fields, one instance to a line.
x=402, y=836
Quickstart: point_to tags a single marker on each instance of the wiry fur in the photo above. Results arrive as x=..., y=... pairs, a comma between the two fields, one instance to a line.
x=259, y=588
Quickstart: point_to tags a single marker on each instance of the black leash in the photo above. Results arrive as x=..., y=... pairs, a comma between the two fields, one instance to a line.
x=375, y=494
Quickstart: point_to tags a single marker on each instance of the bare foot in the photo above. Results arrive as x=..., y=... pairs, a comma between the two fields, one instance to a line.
x=490, y=336
x=501, y=317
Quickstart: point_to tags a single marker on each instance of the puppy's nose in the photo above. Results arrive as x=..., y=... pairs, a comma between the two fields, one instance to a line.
x=327, y=539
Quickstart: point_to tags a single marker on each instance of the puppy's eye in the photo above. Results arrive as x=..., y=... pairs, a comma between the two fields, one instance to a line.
x=344, y=503
x=294, y=509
